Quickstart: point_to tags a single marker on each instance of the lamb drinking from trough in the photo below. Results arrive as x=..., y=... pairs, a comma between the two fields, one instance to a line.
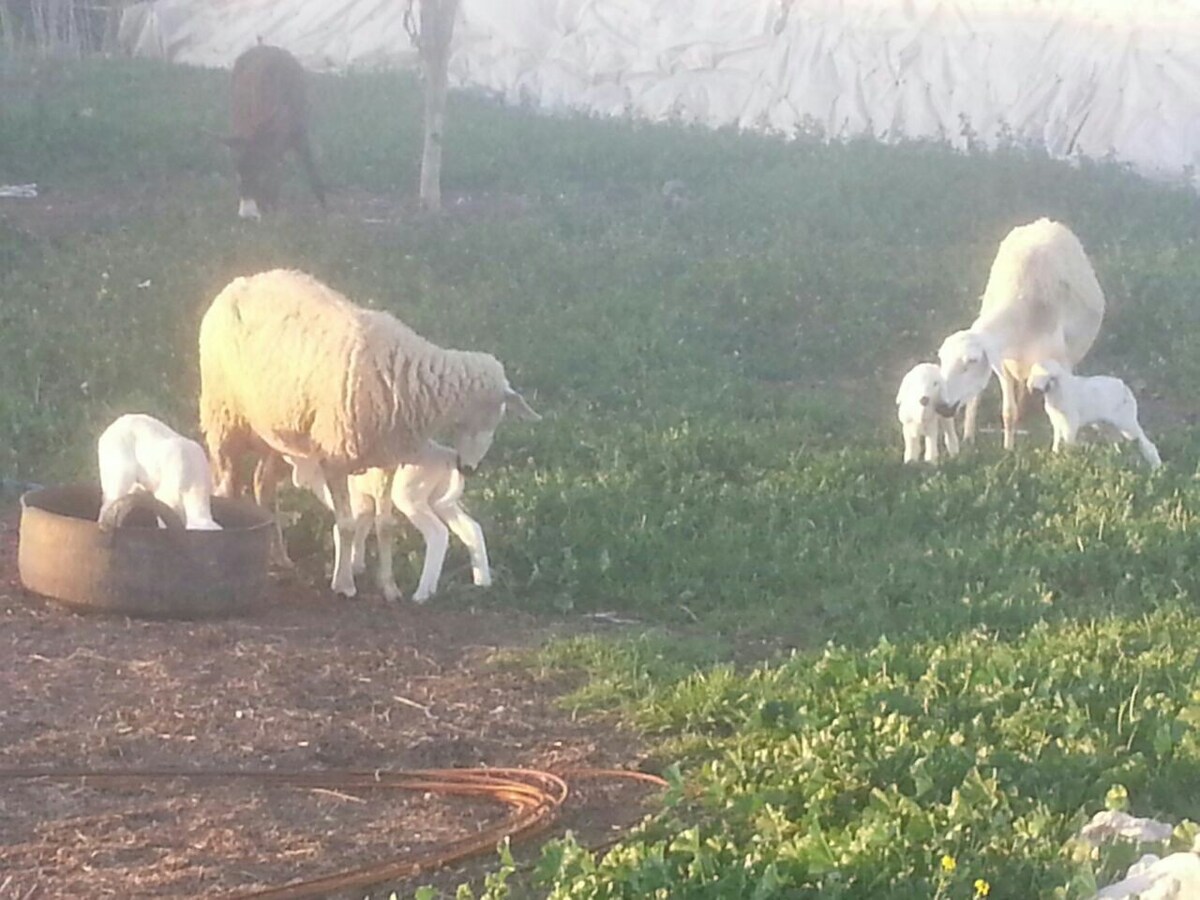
x=138, y=452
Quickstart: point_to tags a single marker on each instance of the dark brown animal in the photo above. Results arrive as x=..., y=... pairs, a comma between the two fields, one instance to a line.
x=269, y=113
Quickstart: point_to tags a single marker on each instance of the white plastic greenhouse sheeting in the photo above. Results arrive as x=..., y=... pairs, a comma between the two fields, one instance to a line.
x=1096, y=78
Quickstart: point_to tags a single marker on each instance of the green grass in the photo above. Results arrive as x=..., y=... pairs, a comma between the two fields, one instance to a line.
x=960, y=662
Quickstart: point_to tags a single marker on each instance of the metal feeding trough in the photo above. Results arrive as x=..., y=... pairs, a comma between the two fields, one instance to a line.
x=141, y=569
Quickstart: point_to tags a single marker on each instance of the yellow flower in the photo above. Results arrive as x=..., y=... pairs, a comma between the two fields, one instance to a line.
x=982, y=888
x=948, y=864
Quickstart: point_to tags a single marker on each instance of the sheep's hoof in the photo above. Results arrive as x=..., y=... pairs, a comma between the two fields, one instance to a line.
x=392, y=594
x=422, y=597
x=345, y=591
x=279, y=559
x=483, y=581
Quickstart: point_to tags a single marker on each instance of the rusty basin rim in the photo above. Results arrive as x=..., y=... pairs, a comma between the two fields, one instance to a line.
x=141, y=571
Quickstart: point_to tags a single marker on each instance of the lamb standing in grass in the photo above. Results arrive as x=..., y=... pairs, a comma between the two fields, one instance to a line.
x=1075, y=401
x=289, y=367
x=428, y=492
x=138, y=452
x=1042, y=302
x=920, y=393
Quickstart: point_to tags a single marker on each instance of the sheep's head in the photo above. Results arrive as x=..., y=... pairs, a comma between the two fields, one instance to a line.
x=1044, y=377
x=967, y=363
x=472, y=435
x=922, y=386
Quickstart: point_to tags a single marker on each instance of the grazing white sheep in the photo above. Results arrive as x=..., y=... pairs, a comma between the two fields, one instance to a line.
x=916, y=401
x=1042, y=302
x=290, y=367
x=428, y=492
x=139, y=453
x=1075, y=401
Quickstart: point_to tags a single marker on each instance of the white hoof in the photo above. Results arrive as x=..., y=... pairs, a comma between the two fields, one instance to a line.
x=346, y=590
x=483, y=581
x=248, y=209
x=422, y=596
x=392, y=594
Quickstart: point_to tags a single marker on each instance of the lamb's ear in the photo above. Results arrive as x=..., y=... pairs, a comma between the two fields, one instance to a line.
x=924, y=401
x=515, y=404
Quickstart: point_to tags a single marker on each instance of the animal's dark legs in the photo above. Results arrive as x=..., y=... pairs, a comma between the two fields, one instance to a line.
x=304, y=151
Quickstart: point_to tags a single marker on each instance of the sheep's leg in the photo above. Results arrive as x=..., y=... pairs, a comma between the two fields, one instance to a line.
x=437, y=539
x=1134, y=432
x=949, y=435
x=266, y=494
x=1149, y=451
x=385, y=527
x=343, y=572
x=363, y=520
x=304, y=151
x=1069, y=434
x=224, y=447
x=912, y=444
x=970, y=418
x=470, y=533
x=931, y=445
x=222, y=469
x=1010, y=408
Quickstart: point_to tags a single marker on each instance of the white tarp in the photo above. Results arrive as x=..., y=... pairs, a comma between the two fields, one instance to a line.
x=1094, y=78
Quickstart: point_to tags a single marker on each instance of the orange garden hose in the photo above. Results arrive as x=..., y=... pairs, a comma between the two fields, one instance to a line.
x=534, y=797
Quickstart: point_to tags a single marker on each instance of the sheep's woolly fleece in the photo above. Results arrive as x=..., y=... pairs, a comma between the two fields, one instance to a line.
x=1042, y=288
x=286, y=358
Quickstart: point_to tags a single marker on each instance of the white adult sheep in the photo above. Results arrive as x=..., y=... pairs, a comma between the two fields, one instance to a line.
x=1076, y=401
x=1042, y=302
x=916, y=401
x=290, y=367
x=139, y=453
x=428, y=492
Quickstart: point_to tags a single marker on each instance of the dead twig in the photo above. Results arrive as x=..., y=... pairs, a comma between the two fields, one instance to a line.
x=338, y=794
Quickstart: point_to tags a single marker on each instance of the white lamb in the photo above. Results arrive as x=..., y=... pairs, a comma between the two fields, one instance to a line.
x=428, y=492
x=1042, y=302
x=290, y=367
x=138, y=452
x=1075, y=401
x=916, y=407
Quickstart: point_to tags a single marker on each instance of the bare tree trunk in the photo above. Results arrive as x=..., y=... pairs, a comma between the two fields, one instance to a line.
x=433, y=43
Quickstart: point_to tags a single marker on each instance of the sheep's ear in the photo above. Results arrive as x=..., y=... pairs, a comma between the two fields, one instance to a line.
x=924, y=401
x=515, y=404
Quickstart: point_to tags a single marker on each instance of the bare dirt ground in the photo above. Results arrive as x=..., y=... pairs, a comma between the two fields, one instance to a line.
x=305, y=683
